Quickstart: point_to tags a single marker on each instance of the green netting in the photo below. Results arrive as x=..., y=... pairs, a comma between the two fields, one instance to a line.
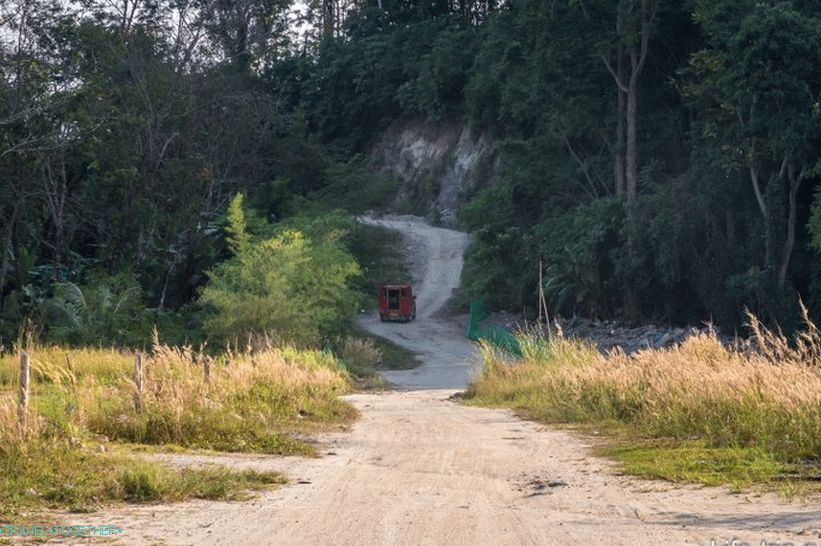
x=496, y=335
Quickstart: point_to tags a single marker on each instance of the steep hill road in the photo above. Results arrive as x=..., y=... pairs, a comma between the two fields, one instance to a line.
x=435, y=256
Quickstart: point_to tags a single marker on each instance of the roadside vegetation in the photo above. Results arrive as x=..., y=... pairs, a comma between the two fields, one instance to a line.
x=49, y=473
x=293, y=281
x=697, y=412
x=83, y=422
x=279, y=315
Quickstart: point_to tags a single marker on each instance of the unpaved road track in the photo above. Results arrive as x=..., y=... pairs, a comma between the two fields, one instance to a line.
x=419, y=468
x=435, y=255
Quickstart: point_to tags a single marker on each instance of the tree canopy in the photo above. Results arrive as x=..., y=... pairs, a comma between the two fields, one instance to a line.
x=660, y=157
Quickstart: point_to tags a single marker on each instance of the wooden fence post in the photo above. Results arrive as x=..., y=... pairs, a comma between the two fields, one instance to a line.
x=206, y=366
x=22, y=408
x=138, y=381
x=543, y=305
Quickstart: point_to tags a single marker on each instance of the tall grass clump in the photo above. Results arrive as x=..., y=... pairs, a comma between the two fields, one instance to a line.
x=253, y=400
x=765, y=396
x=258, y=400
x=50, y=362
x=361, y=357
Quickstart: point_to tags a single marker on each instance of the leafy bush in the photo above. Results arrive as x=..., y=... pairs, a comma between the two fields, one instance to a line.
x=357, y=187
x=580, y=245
x=360, y=355
x=292, y=287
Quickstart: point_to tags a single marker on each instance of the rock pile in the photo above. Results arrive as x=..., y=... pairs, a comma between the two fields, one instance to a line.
x=608, y=334
x=611, y=334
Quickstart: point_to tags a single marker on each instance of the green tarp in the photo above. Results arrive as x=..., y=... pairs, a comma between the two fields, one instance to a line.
x=496, y=335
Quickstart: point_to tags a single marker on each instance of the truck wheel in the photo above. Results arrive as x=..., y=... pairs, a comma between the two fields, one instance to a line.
x=382, y=317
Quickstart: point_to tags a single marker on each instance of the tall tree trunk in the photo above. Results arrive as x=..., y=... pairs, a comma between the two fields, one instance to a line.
x=646, y=15
x=759, y=197
x=631, y=154
x=619, y=155
x=56, y=196
x=638, y=58
x=789, y=245
x=19, y=216
x=328, y=18
x=8, y=247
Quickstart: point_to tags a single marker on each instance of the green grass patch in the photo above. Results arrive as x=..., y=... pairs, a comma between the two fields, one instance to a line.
x=694, y=462
x=51, y=475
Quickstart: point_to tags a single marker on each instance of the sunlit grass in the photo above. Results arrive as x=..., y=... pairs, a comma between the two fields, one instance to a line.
x=695, y=462
x=57, y=474
x=57, y=364
x=754, y=414
x=256, y=400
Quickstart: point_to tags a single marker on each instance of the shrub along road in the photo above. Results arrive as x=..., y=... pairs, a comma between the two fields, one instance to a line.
x=419, y=468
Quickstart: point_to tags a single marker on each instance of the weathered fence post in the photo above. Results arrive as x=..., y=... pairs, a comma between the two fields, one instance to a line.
x=206, y=367
x=22, y=408
x=543, y=305
x=138, y=381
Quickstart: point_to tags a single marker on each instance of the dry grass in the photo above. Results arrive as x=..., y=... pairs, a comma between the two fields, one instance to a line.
x=765, y=397
x=256, y=400
x=360, y=353
x=362, y=357
x=252, y=400
x=92, y=391
x=54, y=363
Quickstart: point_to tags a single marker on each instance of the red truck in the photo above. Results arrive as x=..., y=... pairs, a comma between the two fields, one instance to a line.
x=396, y=302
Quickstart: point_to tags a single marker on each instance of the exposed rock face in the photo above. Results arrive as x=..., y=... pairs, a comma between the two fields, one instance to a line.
x=441, y=166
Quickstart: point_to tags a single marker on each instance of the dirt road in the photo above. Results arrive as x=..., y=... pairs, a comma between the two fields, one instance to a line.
x=419, y=468
x=436, y=265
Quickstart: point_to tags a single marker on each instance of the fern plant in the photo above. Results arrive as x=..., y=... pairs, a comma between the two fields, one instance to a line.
x=100, y=313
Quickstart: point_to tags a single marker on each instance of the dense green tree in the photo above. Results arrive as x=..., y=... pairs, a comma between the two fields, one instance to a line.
x=238, y=238
x=659, y=157
x=289, y=286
